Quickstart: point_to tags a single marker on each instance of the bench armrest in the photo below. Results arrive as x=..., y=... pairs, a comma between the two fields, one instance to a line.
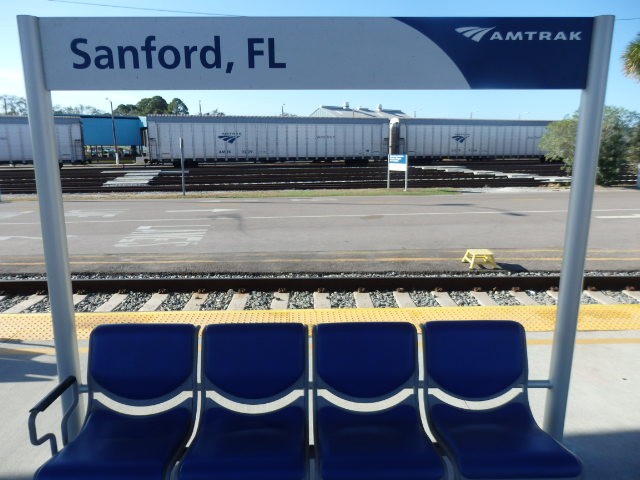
x=44, y=404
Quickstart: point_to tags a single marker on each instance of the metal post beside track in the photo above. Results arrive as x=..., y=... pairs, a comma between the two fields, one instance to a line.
x=578, y=220
x=54, y=237
x=184, y=187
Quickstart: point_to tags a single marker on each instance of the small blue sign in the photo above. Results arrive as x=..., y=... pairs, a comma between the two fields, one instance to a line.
x=398, y=163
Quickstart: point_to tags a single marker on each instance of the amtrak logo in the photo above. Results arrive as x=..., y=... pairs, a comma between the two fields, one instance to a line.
x=461, y=137
x=478, y=33
x=474, y=33
x=229, y=137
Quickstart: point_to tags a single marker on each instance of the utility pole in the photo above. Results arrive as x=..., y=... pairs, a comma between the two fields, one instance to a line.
x=115, y=138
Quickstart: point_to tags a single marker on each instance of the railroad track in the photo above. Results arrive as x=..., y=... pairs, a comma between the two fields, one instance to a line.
x=248, y=177
x=298, y=291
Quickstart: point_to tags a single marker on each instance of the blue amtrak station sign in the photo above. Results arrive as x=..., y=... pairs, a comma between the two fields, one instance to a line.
x=316, y=53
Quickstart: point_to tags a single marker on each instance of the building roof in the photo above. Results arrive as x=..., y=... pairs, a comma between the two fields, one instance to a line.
x=360, y=112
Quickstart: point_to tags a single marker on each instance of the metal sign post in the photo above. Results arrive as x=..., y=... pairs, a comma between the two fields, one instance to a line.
x=54, y=236
x=578, y=221
x=184, y=187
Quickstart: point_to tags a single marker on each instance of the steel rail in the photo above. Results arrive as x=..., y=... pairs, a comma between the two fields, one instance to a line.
x=329, y=282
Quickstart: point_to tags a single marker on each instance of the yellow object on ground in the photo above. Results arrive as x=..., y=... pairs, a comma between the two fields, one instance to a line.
x=479, y=256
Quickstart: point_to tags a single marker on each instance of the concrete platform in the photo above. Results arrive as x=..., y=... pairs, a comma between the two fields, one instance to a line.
x=603, y=418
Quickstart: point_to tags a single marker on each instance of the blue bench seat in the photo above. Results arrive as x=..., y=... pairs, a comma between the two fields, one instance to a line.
x=137, y=367
x=376, y=446
x=502, y=442
x=369, y=364
x=255, y=365
x=478, y=361
x=253, y=420
x=113, y=445
x=269, y=446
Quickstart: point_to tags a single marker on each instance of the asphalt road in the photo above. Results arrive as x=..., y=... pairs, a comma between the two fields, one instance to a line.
x=524, y=229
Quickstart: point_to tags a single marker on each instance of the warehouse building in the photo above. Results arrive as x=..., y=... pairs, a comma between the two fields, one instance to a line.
x=345, y=111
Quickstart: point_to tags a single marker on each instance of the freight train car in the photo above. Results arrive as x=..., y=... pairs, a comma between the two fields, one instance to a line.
x=435, y=139
x=15, y=139
x=266, y=139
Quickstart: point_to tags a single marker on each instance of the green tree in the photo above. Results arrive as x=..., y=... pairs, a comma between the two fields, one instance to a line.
x=559, y=141
x=152, y=105
x=634, y=145
x=631, y=59
x=618, y=148
x=77, y=110
x=216, y=113
x=177, y=107
x=13, y=105
x=125, y=109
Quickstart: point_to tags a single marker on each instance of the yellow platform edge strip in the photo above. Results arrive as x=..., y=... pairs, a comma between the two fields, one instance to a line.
x=38, y=326
x=20, y=350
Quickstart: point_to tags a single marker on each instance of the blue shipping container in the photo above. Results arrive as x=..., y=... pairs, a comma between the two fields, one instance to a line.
x=99, y=130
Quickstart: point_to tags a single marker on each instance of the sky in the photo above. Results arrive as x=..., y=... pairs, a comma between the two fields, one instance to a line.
x=501, y=104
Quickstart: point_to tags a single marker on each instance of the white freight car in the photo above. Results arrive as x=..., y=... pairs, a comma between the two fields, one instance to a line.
x=265, y=139
x=433, y=139
x=15, y=139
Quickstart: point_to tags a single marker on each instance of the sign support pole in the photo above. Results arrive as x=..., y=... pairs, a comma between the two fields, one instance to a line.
x=54, y=237
x=578, y=220
x=406, y=178
x=184, y=188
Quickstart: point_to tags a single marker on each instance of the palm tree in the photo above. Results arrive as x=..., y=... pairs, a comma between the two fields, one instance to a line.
x=631, y=58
